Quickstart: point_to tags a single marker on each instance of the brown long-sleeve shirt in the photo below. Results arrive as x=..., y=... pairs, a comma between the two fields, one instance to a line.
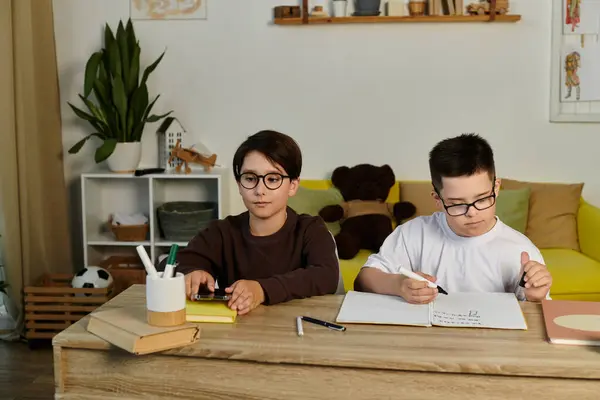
x=298, y=261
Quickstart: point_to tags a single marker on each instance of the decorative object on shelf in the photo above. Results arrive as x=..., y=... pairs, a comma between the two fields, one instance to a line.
x=122, y=107
x=91, y=277
x=396, y=8
x=182, y=220
x=189, y=155
x=167, y=9
x=169, y=132
x=489, y=7
x=129, y=228
x=304, y=11
x=416, y=7
x=319, y=12
x=287, y=12
x=459, y=7
x=366, y=8
x=444, y=7
x=340, y=8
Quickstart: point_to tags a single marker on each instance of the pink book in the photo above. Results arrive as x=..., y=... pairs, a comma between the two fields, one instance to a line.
x=572, y=322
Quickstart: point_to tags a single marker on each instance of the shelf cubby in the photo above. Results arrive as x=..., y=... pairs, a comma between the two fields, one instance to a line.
x=104, y=194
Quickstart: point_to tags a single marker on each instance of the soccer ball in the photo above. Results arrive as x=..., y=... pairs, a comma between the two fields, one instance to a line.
x=92, y=277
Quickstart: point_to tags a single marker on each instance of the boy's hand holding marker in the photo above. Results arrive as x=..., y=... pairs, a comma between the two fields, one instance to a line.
x=417, y=292
x=536, y=278
x=417, y=287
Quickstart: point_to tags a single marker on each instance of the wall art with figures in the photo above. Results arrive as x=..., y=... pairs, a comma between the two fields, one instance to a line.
x=575, y=86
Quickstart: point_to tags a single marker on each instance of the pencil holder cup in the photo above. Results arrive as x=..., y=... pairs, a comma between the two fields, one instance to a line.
x=165, y=300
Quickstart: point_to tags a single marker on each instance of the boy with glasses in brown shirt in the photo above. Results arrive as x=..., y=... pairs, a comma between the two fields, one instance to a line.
x=268, y=254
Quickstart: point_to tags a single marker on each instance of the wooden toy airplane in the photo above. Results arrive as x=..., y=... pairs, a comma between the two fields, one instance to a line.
x=189, y=155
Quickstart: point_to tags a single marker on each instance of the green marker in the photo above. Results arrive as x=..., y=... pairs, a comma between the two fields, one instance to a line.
x=171, y=262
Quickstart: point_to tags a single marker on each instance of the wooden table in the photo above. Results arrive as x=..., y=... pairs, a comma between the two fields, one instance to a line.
x=261, y=357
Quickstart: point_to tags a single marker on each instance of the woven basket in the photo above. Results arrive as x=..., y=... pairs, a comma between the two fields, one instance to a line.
x=129, y=233
x=182, y=220
x=125, y=270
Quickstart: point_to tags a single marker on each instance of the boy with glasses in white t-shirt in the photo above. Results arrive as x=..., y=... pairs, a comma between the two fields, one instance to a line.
x=464, y=247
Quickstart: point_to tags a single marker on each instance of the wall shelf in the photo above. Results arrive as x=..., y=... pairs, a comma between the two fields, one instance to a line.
x=391, y=19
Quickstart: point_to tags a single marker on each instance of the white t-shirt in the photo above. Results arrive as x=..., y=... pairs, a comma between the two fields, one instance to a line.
x=487, y=263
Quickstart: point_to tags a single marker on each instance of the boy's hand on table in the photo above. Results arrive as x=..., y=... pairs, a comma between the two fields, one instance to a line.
x=245, y=296
x=537, y=278
x=195, y=279
x=417, y=292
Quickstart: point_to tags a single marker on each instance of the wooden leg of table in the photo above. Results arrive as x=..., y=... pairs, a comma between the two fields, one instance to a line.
x=93, y=374
x=59, y=369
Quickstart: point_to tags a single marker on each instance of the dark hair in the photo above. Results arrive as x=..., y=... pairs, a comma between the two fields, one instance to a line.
x=277, y=147
x=462, y=155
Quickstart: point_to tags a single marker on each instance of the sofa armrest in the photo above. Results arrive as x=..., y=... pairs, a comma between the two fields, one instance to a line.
x=588, y=230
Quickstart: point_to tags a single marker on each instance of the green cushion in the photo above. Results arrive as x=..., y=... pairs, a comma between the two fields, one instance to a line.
x=311, y=201
x=512, y=207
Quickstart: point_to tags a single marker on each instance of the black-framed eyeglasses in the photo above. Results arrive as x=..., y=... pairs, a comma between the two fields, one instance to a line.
x=456, y=210
x=272, y=181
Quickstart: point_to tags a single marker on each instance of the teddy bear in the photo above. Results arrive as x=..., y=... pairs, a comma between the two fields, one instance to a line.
x=365, y=217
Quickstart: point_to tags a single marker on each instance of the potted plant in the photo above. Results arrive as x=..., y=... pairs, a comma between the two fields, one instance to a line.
x=117, y=99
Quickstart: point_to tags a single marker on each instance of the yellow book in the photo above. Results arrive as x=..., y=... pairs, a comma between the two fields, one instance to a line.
x=209, y=311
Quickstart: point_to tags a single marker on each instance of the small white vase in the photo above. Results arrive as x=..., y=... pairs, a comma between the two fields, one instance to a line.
x=125, y=158
x=340, y=8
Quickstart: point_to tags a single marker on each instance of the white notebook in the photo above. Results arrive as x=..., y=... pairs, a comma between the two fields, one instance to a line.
x=466, y=310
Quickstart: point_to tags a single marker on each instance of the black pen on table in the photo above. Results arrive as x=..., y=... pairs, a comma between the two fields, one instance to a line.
x=326, y=324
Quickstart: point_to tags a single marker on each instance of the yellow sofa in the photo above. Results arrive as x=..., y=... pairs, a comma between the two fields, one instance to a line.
x=576, y=274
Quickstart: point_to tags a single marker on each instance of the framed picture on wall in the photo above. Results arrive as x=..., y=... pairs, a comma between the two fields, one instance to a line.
x=575, y=61
x=167, y=9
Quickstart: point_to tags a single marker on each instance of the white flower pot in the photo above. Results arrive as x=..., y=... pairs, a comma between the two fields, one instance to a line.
x=125, y=158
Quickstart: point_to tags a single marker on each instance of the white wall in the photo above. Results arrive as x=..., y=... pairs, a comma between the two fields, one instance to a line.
x=377, y=93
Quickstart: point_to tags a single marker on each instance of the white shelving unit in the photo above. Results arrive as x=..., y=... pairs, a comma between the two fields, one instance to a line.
x=103, y=194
